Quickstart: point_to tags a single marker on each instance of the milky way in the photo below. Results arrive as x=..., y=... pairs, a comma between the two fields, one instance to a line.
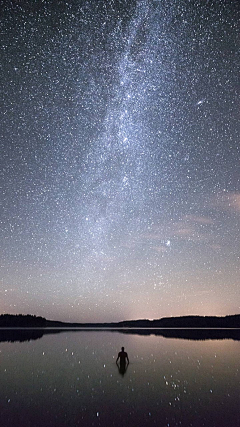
x=120, y=159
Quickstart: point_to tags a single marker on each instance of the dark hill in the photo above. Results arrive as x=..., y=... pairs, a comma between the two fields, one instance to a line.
x=186, y=322
x=22, y=321
x=29, y=321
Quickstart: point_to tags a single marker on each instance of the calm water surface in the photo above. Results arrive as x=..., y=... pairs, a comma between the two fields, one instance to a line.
x=71, y=379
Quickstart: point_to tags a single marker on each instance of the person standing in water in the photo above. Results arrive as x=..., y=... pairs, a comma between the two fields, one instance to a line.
x=123, y=358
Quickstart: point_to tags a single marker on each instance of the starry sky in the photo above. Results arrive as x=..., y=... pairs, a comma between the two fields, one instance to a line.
x=120, y=158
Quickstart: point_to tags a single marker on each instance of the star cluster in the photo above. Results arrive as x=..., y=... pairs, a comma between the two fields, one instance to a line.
x=120, y=158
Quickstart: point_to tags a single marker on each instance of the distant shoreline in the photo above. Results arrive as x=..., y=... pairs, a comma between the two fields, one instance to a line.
x=140, y=329
x=184, y=322
x=27, y=327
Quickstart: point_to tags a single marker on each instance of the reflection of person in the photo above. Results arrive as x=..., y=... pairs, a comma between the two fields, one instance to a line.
x=124, y=361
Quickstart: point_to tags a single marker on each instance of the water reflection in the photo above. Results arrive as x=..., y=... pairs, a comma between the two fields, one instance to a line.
x=20, y=335
x=195, y=334
x=71, y=379
x=122, y=368
x=14, y=335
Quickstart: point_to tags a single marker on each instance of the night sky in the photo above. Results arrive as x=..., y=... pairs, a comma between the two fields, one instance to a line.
x=120, y=158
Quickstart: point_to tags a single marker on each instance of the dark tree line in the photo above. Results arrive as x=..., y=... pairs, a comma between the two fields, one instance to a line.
x=21, y=321
x=232, y=321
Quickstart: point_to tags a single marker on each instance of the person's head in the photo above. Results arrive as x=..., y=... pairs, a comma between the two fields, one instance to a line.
x=122, y=348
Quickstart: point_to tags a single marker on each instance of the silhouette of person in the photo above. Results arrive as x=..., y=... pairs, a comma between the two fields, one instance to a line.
x=123, y=361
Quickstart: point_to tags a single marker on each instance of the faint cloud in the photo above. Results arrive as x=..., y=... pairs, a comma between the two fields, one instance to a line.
x=228, y=201
x=190, y=233
x=199, y=219
x=190, y=228
x=199, y=293
x=184, y=231
x=153, y=236
x=160, y=249
x=215, y=247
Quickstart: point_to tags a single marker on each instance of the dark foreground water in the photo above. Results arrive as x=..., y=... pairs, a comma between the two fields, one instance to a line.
x=71, y=379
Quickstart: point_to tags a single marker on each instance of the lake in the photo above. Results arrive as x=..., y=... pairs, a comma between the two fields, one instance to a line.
x=71, y=379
